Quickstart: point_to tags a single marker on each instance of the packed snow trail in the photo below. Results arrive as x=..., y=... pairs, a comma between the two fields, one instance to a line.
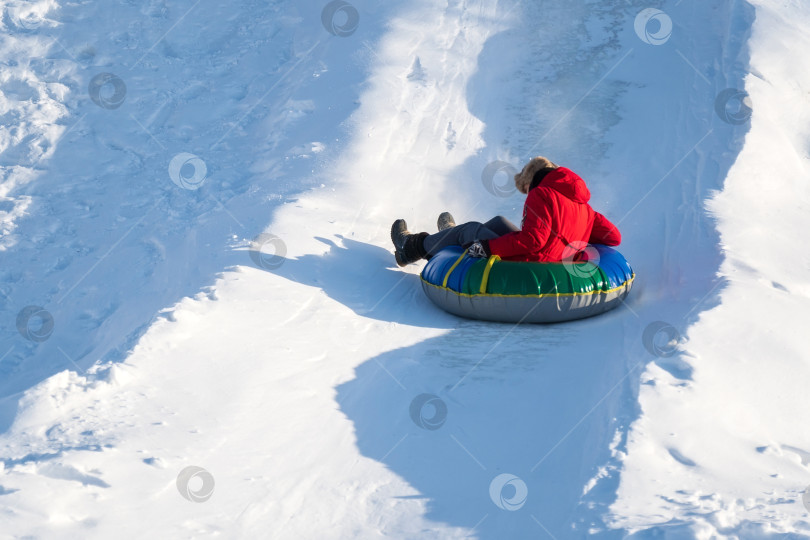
x=551, y=405
x=310, y=389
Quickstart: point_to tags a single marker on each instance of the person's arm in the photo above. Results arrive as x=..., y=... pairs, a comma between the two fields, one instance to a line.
x=534, y=232
x=604, y=232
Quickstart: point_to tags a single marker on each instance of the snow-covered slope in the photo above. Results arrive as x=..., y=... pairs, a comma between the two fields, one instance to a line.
x=196, y=201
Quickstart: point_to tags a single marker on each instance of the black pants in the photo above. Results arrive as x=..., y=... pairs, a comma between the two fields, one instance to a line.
x=467, y=233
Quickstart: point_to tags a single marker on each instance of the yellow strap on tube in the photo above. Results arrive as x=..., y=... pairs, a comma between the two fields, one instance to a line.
x=485, y=278
x=447, y=275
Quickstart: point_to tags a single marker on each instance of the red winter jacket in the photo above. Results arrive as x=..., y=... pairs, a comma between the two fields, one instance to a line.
x=556, y=213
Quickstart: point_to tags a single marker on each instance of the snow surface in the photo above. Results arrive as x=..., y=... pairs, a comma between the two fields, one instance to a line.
x=205, y=334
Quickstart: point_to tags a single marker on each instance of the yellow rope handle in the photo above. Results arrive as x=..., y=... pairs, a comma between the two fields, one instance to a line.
x=447, y=275
x=485, y=278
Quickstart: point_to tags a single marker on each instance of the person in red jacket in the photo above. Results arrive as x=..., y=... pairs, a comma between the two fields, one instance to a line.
x=557, y=223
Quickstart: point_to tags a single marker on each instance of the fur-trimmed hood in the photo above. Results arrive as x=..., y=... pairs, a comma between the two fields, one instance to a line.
x=523, y=179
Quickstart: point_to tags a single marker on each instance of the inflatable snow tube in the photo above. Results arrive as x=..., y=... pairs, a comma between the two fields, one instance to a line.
x=528, y=292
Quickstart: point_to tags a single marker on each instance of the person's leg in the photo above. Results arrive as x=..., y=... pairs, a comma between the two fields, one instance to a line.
x=412, y=247
x=500, y=226
x=459, y=235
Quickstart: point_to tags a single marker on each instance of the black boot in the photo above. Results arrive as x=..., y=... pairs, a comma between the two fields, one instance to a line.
x=409, y=247
x=445, y=221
